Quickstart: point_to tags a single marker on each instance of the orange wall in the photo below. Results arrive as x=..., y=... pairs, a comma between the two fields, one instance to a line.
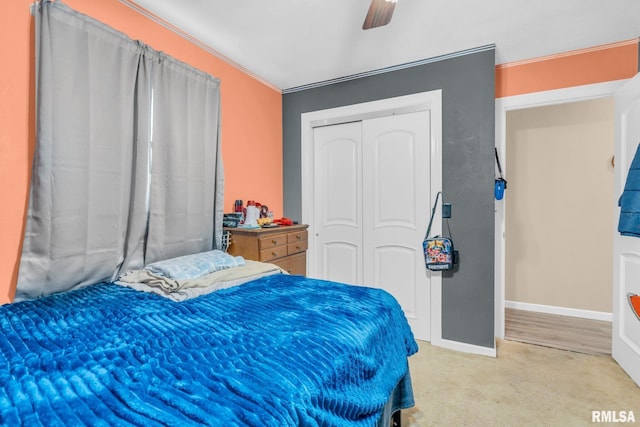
x=251, y=122
x=599, y=64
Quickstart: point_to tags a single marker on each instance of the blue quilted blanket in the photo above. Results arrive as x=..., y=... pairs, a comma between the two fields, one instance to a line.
x=278, y=351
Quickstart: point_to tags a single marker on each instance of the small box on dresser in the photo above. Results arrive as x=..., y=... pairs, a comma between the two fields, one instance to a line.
x=285, y=246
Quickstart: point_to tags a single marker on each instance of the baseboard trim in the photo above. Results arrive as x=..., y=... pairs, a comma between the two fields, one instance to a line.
x=467, y=348
x=562, y=311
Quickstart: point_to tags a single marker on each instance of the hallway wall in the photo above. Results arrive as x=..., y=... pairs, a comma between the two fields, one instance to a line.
x=559, y=220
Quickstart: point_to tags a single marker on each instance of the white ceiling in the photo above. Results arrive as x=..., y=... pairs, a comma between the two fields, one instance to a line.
x=291, y=43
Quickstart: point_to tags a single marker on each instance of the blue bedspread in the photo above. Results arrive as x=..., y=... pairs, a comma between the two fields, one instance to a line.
x=278, y=351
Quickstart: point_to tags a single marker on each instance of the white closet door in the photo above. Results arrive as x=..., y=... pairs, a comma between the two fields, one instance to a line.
x=396, y=198
x=371, y=198
x=338, y=202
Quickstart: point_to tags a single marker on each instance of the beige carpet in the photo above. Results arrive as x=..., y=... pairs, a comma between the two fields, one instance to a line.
x=526, y=385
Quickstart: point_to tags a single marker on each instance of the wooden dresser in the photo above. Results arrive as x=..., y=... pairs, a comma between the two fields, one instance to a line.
x=285, y=246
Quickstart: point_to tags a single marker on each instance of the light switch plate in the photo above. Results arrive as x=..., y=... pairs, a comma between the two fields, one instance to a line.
x=446, y=210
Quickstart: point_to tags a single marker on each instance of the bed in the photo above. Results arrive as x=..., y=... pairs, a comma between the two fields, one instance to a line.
x=277, y=350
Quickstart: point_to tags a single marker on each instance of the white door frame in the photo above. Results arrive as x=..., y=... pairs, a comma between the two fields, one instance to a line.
x=518, y=102
x=431, y=101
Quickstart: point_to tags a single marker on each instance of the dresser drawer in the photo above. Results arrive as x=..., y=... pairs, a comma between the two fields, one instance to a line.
x=294, y=248
x=298, y=236
x=296, y=264
x=267, y=242
x=272, y=253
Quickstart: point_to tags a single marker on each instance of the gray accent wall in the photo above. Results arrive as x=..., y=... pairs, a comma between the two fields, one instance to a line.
x=468, y=139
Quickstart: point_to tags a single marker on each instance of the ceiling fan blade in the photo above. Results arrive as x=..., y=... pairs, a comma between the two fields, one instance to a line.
x=379, y=14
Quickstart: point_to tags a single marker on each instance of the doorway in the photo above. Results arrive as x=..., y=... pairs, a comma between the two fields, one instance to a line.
x=558, y=205
x=427, y=297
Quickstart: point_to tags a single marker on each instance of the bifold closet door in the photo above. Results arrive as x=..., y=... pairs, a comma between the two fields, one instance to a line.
x=371, y=198
x=338, y=202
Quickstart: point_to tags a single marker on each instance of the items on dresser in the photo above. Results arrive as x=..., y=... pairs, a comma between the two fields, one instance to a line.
x=283, y=246
x=283, y=221
x=232, y=219
x=252, y=215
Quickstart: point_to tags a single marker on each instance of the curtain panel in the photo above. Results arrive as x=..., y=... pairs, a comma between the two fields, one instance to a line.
x=104, y=195
x=184, y=202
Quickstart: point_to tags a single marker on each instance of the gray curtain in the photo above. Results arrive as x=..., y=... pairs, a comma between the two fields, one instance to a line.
x=186, y=209
x=89, y=205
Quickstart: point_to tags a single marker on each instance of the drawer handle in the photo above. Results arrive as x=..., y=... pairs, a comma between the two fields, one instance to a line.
x=298, y=237
x=273, y=254
x=274, y=241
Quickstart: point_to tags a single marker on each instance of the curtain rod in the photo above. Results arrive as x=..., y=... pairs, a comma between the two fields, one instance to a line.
x=32, y=6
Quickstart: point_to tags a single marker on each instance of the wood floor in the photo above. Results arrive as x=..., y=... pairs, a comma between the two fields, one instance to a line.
x=563, y=332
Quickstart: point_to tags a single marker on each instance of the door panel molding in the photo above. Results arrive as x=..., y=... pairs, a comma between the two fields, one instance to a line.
x=401, y=146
